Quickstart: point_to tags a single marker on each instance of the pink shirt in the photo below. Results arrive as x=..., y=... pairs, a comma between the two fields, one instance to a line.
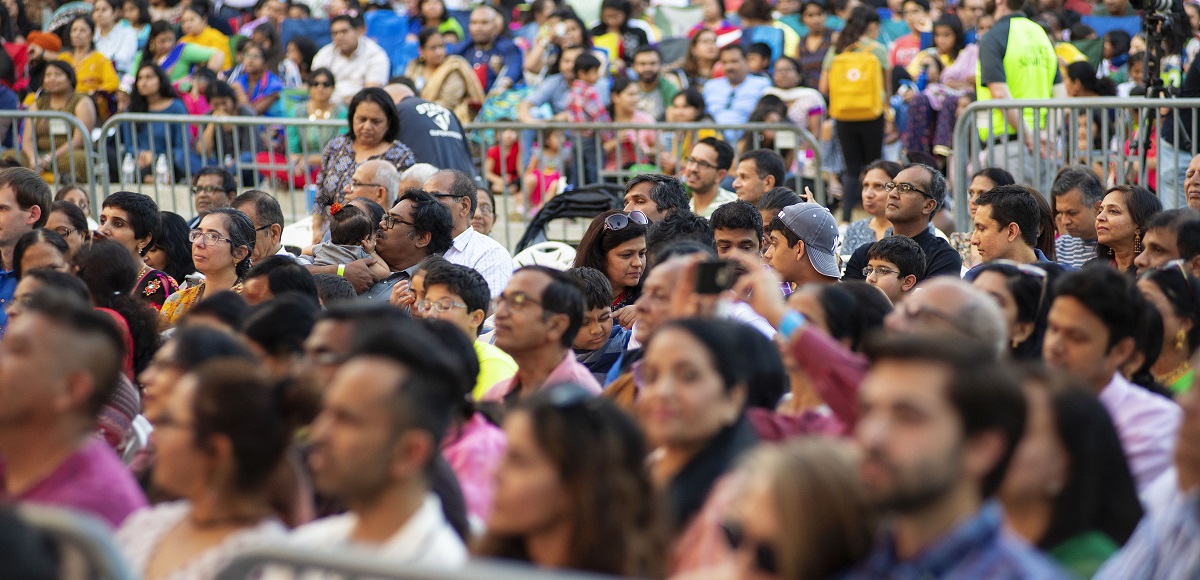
x=567, y=371
x=92, y=480
x=473, y=453
x=1147, y=425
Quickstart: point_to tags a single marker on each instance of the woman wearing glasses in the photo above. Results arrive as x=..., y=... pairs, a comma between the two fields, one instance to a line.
x=131, y=219
x=615, y=243
x=221, y=247
x=1020, y=291
x=305, y=143
x=1176, y=296
x=68, y=221
x=568, y=453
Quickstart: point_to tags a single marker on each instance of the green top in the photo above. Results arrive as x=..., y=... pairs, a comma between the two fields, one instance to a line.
x=192, y=55
x=1083, y=555
x=494, y=366
x=1183, y=384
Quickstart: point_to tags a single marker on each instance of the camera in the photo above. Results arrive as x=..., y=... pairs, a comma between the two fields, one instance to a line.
x=1155, y=6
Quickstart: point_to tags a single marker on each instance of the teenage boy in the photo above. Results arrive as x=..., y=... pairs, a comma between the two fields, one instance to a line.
x=893, y=265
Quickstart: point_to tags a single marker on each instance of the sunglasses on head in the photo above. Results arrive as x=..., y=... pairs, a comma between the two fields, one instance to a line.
x=620, y=221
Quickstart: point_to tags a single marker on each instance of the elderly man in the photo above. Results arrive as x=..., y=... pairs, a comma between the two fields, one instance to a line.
x=472, y=249
x=266, y=215
x=376, y=180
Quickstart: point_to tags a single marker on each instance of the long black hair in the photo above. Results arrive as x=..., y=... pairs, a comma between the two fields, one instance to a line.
x=1099, y=493
x=172, y=238
x=156, y=28
x=137, y=101
x=955, y=25
x=856, y=26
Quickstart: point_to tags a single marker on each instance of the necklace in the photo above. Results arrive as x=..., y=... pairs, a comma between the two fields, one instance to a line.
x=1174, y=374
x=320, y=114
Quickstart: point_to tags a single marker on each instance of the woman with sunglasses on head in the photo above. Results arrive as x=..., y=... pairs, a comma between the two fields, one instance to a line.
x=615, y=243
x=694, y=386
x=1020, y=290
x=131, y=219
x=1176, y=296
x=800, y=512
x=572, y=491
x=221, y=247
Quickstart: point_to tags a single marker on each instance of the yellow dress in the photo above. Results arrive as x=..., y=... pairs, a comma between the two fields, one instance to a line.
x=212, y=38
x=94, y=73
x=182, y=301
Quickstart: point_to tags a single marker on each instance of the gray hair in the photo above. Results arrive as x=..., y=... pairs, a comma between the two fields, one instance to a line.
x=388, y=177
x=418, y=173
x=1081, y=178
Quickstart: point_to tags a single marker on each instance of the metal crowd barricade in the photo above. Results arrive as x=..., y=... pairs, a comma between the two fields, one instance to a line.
x=1108, y=134
x=84, y=544
x=584, y=143
x=269, y=163
x=60, y=128
x=296, y=563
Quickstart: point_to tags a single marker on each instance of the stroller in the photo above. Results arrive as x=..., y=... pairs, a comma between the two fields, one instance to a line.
x=585, y=202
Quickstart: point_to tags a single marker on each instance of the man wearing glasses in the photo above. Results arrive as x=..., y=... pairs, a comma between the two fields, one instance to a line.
x=415, y=228
x=703, y=172
x=212, y=187
x=537, y=317
x=913, y=198
x=457, y=191
x=376, y=180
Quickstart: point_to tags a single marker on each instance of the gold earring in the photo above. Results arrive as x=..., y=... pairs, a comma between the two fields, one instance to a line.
x=1180, y=339
x=1137, y=243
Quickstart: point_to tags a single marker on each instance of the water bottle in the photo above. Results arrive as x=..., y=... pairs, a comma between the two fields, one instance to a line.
x=922, y=79
x=128, y=170
x=310, y=193
x=229, y=162
x=162, y=174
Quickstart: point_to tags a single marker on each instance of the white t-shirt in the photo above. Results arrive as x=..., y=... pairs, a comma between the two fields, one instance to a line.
x=426, y=540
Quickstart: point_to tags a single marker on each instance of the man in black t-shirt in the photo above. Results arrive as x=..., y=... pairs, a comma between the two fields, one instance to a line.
x=432, y=131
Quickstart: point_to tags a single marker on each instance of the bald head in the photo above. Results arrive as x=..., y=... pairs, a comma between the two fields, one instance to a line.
x=951, y=306
x=398, y=92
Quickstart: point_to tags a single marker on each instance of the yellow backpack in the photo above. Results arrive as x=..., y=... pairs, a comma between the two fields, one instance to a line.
x=855, y=85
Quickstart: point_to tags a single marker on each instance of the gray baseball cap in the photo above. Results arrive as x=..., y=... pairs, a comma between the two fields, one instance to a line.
x=813, y=224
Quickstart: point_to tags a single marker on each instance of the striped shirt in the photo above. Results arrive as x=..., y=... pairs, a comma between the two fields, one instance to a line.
x=977, y=548
x=1074, y=251
x=1165, y=545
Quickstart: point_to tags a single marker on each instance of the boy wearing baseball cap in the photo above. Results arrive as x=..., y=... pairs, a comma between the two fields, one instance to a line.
x=800, y=245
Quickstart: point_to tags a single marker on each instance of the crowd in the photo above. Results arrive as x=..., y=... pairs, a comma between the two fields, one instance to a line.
x=724, y=379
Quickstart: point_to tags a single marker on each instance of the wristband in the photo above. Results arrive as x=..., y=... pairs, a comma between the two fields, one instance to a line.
x=792, y=321
x=342, y=270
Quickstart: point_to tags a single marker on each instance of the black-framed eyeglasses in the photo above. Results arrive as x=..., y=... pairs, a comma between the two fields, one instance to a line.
x=390, y=221
x=448, y=195
x=620, y=221
x=361, y=184
x=64, y=231
x=208, y=237
x=515, y=301
x=878, y=271
x=209, y=189
x=699, y=163
x=765, y=559
x=323, y=84
x=904, y=188
x=263, y=228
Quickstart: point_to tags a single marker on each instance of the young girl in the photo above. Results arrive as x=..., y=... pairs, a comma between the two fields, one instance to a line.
x=351, y=237
x=544, y=173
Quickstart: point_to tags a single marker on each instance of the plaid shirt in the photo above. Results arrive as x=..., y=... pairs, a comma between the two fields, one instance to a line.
x=584, y=106
x=976, y=548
